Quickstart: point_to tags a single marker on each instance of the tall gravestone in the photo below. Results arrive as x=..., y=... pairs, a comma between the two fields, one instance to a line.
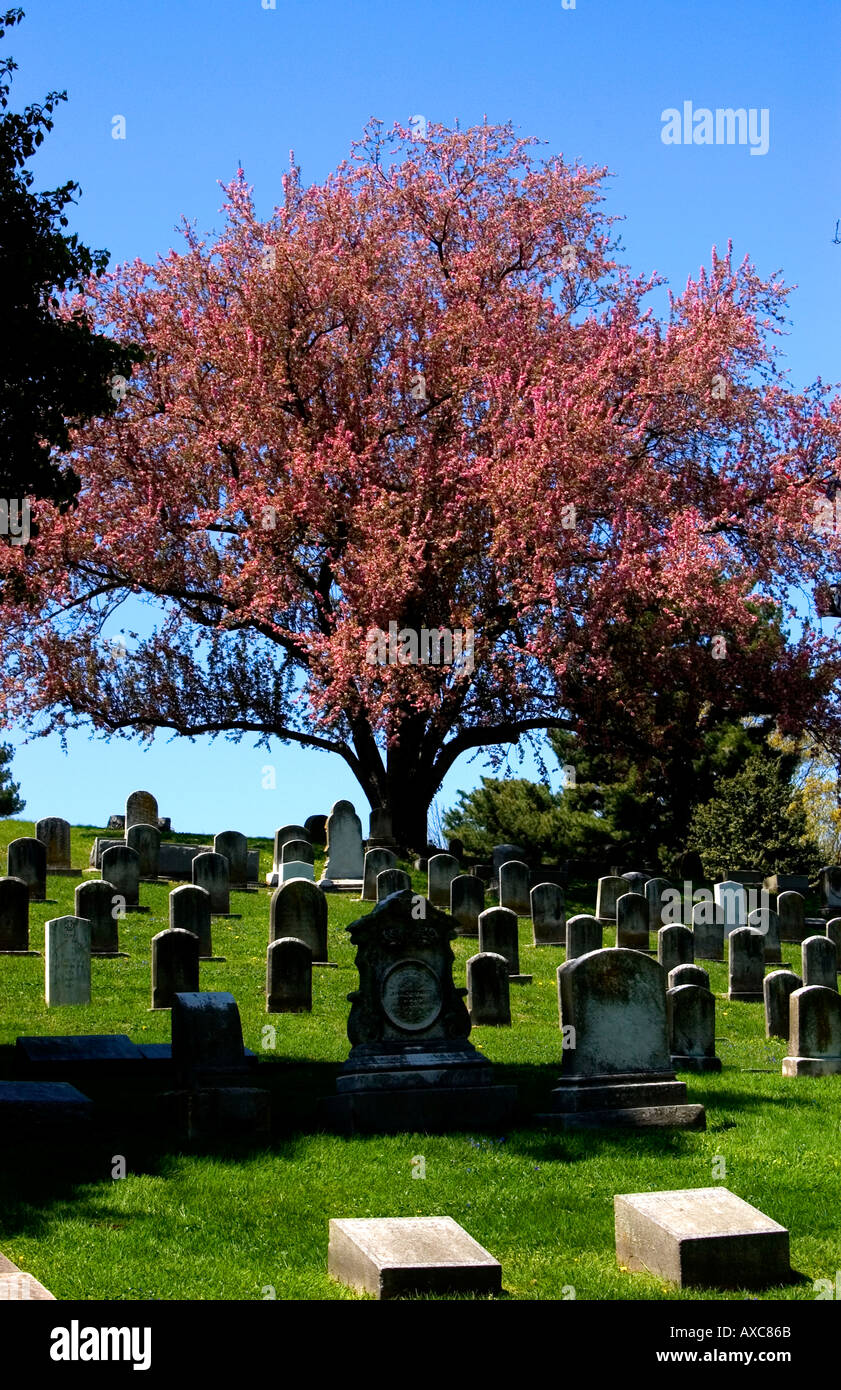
x=584, y=934
x=141, y=809
x=731, y=898
x=675, y=946
x=618, y=1070
x=814, y=1043
x=488, y=991
x=608, y=890
x=233, y=846
x=441, y=869
x=548, y=915
x=54, y=834
x=67, y=961
x=207, y=1047
x=95, y=902
x=14, y=918
x=829, y=880
x=120, y=866
x=691, y=1018
x=708, y=931
x=791, y=910
x=746, y=965
x=210, y=871
x=820, y=965
x=345, y=861
x=189, y=910
x=467, y=902
x=381, y=830
x=499, y=936
x=632, y=922
x=514, y=879
x=27, y=860
x=375, y=861
x=767, y=921
x=298, y=909
x=145, y=840
x=411, y=1066
x=778, y=987
x=175, y=966
x=288, y=976
x=654, y=890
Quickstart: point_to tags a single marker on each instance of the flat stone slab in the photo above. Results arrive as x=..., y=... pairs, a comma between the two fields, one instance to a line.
x=82, y=1050
x=635, y=1117
x=38, y=1104
x=15, y=1284
x=703, y=1237
x=811, y=1066
x=390, y=1256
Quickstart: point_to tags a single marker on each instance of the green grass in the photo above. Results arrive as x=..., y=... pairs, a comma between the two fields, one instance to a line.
x=238, y=1221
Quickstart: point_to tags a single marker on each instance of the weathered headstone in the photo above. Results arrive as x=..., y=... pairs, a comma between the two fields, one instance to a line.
x=95, y=902
x=288, y=976
x=316, y=830
x=441, y=869
x=175, y=966
x=210, y=871
x=829, y=880
x=690, y=866
x=584, y=934
x=207, y=1045
x=708, y=931
x=548, y=915
x=121, y=868
x=145, y=840
x=501, y=854
x=375, y=861
x=395, y=1255
x=467, y=901
x=675, y=946
x=344, y=846
x=514, y=879
x=617, y=1069
x=141, y=809
x=833, y=931
x=499, y=935
x=814, y=1044
x=778, y=987
x=67, y=961
x=284, y=834
x=300, y=851
x=791, y=910
x=632, y=922
x=455, y=847
x=691, y=1016
x=654, y=890
x=54, y=834
x=14, y=918
x=608, y=890
x=380, y=829
x=488, y=990
x=411, y=1065
x=635, y=880
x=746, y=970
x=703, y=1237
x=233, y=845
x=391, y=881
x=299, y=909
x=27, y=859
x=766, y=921
x=189, y=910
x=731, y=897
x=688, y=975
x=820, y=962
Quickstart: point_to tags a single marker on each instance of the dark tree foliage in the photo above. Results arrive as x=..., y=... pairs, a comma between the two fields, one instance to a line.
x=10, y=803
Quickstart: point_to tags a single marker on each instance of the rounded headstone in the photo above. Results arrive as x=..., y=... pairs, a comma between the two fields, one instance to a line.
x=54, y=833
x=288, y=976
x=298, y=909
x=27, y=860
x=141, y=809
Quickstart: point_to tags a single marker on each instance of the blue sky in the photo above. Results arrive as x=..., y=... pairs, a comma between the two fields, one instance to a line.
x=204, y=85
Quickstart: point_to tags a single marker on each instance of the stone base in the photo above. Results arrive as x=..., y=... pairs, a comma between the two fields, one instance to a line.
x=696, y=1063
x=63, y=873
x=398, y=1255
x=735, y=997
x=427, y=1109
x=714, y=960
x=633, y=1100
x=520, y=979
x=209, y=960
x=812, y=1066
x=109, y=955
x=637, y=1117
x=218, y=1112
x=341, y=885
x=35, y=1105
x=20, y=953
x=226, y=916
x=325, y=965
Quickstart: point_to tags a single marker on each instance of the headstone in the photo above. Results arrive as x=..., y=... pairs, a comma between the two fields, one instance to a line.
x=441, y=869
x=411, y=1066
x=54, y=834
x=455, y=847
x=608, y=890
x=488, y=990
x=391, y=1256
x=145, y=840
x=299, y=909
x=95, y=902
x=731, y=897
x=632, y=922
x=284, y=834
x=316, y=830
x=688, y=975
x=820, y=962
x=654, y=890
x=233, y=846
x=501, y=854
x=833, y=931
x=767, y=922
x=189, y=910
x=584, y=934
x=380, y=831
x=778, y=987
x=702, y=1237
x=67, y=961
x=499, y=935
x=296, y=868
x=207, y=1038
x=690, y=866
x=814, y=1043
x=636, y=881
x=708, y=931
x=175, y=966
x=829, y=880
x=27, y=860
x=691, y=1016
x=14, y=917
x=121, y=868
x=210, y=871
x=791, y=909
x=391, y=881
x=375, y=861
x=746, y=970
x=548, y=915
x=467, y=901
x=344, y=845
x=675, y=946
x=514, y=887
x=288, y=976
x=300, y=851
x=37, y=1106
x=617, y=1070
x=141, y=809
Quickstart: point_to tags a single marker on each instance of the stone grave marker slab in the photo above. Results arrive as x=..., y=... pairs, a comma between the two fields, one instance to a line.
x=703, y=1237
x=390, y=1256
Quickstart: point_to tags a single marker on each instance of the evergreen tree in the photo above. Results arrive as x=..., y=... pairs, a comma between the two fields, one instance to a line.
x=10, y=803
